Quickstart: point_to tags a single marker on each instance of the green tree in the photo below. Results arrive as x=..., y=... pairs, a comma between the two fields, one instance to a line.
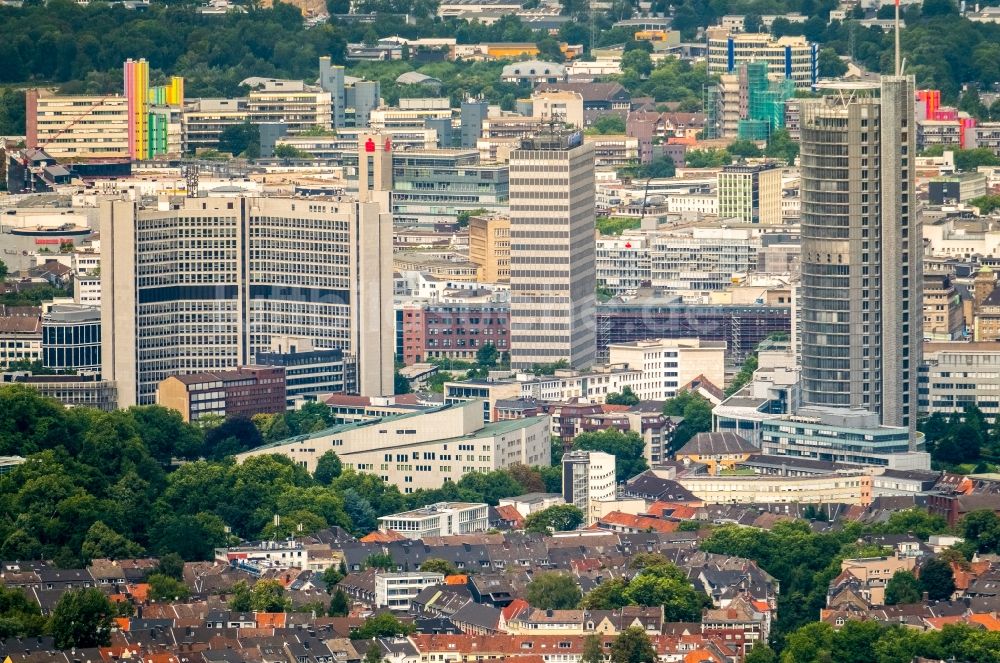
x=830, y=64
x=240, y=139
x=19, y=617
x=548, y=50
x=761, y=653
x=744, y=376
x=781, y=146
x=938, y=8
x=165, y=588
x=382, y=561
x=437, y=565
x=625, y=397
x=3, y=270
x=487, y=355
x=633, y=646
x=746, y=149
x=400, y=385
x=609, y=595
x=172, y=566
x=286, y=151
x=560, y=518
x=340, y=605
x=628, y=449
x=982, y=529
x=373, y=654
x=82, y=618
x=384, y=625
x=551, y=590
x=812, y=642
x=696, y=411
x=608, y=124
x=660, y=167
x=707, y=158
x=903, y=587
x=264, y=596
x=332, y=575
x=103, y=542
x=328, y=468
x=592, y=650
x=937, y=579
x=638, y=60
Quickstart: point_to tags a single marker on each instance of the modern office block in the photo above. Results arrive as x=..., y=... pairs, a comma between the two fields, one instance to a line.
x=203, y=284
x=552, y=270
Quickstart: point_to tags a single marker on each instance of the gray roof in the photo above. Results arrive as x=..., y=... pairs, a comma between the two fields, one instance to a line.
x=714, y=444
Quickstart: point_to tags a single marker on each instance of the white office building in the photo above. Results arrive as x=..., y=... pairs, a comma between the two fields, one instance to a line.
x=588, y=478
x=552, y=264
x=441, y=519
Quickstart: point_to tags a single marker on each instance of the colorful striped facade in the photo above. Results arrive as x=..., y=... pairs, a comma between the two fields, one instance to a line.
x=149, y=110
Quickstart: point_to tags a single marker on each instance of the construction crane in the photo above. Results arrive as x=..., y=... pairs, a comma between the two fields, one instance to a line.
x=24, y=157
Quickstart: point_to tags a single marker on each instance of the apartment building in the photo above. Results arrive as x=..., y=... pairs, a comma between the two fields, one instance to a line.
x=588, y=478
x=203, y=284
x=793, y=58
x=20, y=335
x=298, y=106
x=243, y=392
x=489, y=247
x=668, y=364
x=440, y=519
x=422, y=449
x=943, y=310
x=591, y=386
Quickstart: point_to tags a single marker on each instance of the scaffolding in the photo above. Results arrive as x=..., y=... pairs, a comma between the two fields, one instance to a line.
x=713, y=123
x=765, y=103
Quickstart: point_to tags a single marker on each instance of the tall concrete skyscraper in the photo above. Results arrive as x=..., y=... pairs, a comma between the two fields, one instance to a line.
x=199, y=284
x=552, y=252
x=860, y=299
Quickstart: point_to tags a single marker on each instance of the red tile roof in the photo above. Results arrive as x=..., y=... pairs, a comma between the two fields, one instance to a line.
x=618, y=520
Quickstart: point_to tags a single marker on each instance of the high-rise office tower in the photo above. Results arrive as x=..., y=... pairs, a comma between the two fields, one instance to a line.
x=200, y=284
x=860, y=300
x=552, y=253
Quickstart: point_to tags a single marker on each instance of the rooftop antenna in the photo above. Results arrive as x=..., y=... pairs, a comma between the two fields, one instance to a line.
x=899, y=70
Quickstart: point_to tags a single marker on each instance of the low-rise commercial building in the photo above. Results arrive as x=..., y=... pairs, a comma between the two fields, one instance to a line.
x=843, y=436
x=441, y=519
x=954, y=376
x=846, y=489
x=243, y=392
x=423, y=449
x=204, y=120
x=71, y=390
x=71, y=338
x=396, y=590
